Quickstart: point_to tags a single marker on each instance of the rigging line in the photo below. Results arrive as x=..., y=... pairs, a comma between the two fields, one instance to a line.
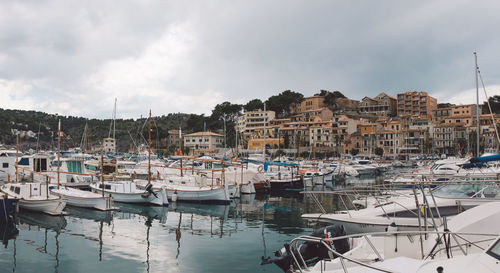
x=157, y=136
x=489, y=106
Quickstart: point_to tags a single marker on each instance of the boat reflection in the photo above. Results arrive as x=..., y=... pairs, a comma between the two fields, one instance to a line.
x=90, y=214
x=150, y=212
x=219, y=211
x=8, y=231
x=28, y=220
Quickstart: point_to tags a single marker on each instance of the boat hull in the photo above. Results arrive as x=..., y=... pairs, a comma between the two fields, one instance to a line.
x=289, y=184
x=50, y=206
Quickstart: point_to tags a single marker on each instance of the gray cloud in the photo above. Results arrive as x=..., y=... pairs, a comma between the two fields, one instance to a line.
x=73, y=58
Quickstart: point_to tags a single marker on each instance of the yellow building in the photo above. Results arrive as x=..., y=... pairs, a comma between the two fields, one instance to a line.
x=258, y=143
x=309, y=103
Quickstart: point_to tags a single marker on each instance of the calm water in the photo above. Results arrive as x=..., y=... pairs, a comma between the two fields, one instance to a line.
x=181, y=238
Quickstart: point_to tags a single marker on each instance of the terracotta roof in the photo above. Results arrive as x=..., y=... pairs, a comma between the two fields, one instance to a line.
x=204, y=134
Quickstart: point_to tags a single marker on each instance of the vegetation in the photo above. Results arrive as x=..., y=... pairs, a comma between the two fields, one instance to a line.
x=281, y=103
x=494, y=103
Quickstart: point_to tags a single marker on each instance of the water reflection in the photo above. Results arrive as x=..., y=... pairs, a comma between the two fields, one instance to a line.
x=184, y=237
x=8, y=231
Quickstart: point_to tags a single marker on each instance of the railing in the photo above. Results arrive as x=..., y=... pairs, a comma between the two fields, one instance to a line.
x=445, y=241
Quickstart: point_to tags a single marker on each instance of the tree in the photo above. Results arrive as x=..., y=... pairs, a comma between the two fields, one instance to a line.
x=226, y=110
x=254, y=105
x=281, y=103
x=494, y=103
x=331, y=97
x=379, y=151
x=354, y=151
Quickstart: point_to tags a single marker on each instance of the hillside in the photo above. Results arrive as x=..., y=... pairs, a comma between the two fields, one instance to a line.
x=128, y=131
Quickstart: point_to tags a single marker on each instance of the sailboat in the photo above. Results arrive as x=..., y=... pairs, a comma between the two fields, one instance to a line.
x=127, y=191
x=76, y=197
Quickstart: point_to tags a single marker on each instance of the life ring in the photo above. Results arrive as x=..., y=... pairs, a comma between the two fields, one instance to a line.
x=379, y=164
x=260, y=169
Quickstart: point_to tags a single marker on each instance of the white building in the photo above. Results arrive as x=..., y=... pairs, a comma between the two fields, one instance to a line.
x=109, y=145
x=249, y=121
x=203, y=141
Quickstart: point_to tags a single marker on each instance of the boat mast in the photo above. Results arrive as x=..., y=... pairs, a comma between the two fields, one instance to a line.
x=102, y=168
x=17, y=152
x=477, y=106
x=264, y=150
x=58, y=152
x=149, y=150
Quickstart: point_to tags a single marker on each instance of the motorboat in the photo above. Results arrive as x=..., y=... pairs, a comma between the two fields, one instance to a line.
x=467, y=243
x=409, y=211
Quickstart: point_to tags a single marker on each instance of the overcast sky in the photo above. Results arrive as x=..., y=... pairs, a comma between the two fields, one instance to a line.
x=74, y=57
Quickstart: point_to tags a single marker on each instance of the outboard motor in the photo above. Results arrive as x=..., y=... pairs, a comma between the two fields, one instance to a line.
x=311, y=252
x=149, y=191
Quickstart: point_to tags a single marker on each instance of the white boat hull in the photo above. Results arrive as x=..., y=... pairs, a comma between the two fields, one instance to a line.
x=97, y=202
x=50, y=206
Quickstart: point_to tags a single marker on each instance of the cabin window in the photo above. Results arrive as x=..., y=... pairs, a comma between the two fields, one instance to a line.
x=12, y=188
x=107, y=187
x=5, y=165
x=24, y=161
x=17, y=190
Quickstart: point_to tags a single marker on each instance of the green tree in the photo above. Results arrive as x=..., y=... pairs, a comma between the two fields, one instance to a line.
x=254, y=104
x=354, y=151
x=379, y=151
x=494, y=103
x=281, y=103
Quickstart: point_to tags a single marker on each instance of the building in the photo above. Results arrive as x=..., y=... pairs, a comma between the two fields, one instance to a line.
x=416, y=104
x=203, y=142
x=109, y=145
x=174, y=138
x=309, y=103
x=381, y=105
x=249, y=121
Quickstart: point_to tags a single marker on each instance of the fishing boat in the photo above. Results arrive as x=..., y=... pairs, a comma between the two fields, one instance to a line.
x=76, y=197
x=128, y=192
x=35, y=197
x=189, y=188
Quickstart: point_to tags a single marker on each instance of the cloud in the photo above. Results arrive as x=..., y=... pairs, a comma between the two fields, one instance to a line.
x=175, y=56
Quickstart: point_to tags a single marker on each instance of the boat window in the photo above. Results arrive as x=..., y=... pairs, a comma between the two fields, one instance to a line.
x=12, y=188
x=107, y=187
x=5, y=165
x=464, y=191
x=17, y=190
x=24, y=161
x=494, y=251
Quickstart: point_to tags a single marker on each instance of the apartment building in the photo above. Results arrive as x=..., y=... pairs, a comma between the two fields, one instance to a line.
x=416, y=104
x=381, y=105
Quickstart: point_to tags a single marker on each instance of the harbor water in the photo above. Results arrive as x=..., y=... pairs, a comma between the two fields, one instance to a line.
x=181, y=238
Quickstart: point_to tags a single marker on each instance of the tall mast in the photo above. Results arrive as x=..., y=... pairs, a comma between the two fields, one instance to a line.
x=17, y=152
x=264, y=150
x=102, y=168
x=149, y=149
x=477, y=105
x=58, y=153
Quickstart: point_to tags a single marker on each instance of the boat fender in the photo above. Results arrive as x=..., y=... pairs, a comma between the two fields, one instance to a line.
x=260, y=169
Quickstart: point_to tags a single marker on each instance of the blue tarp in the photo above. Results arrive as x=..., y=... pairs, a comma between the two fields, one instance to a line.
x=485, y=158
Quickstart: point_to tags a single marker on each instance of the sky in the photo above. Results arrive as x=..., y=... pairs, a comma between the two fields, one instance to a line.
x=75, y=57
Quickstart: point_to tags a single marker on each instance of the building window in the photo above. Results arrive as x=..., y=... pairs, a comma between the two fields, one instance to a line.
x=5, y=165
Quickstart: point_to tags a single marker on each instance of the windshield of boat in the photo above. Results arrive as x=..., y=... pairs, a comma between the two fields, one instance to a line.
x=494, y=251
x=467, y=191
